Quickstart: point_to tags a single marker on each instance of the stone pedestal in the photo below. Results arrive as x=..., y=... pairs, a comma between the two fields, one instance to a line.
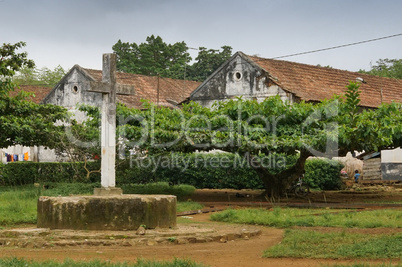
x=108, y=191
x=109, y=212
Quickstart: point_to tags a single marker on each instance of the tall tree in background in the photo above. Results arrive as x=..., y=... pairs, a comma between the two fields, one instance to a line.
x=391, y=68
x=207, y=61
x=21, y=121
x=41, y=77
x=155, y=57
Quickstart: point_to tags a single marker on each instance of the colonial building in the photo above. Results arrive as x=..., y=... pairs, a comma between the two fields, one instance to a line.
x=74, y=89
x=258, y=78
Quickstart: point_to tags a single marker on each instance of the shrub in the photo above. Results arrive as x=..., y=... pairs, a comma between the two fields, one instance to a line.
x=323, y=174
x=181, y=191
x=20, y=173
x=202, y=170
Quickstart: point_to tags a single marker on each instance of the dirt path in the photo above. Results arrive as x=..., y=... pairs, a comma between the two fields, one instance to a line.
x=237, y=253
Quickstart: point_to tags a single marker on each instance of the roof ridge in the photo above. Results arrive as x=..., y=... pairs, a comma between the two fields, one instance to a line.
x=314, y=66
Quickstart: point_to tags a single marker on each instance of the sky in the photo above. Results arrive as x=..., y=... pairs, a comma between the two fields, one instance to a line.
x=69, y=32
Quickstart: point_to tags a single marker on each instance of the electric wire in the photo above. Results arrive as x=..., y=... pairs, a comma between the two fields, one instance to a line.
x=339, y=46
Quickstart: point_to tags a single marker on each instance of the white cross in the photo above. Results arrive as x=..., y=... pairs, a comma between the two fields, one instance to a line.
x=109, y=89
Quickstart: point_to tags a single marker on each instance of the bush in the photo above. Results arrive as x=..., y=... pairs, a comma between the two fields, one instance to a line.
x=323, y=174
x=163, y=188
x=209, y=170
x=20, y=173
x=201, y=170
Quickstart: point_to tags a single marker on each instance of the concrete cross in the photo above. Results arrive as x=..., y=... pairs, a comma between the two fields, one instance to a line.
x=109, y=89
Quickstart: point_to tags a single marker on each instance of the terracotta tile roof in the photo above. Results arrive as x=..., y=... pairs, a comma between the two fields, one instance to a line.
x=39, y=92
x=313, y=83
x=146, y=87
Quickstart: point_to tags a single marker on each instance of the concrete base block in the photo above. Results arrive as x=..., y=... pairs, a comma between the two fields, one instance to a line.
x=109, y=212
x=108, y=191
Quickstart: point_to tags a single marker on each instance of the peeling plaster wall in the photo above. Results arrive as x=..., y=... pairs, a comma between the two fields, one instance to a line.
x=70, y=93
x=391, y=164
x=237, y=78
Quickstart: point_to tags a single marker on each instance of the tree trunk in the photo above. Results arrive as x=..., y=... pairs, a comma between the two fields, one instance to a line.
x=276, y=184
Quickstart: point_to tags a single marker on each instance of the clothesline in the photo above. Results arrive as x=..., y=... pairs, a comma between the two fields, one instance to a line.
x=16, y=157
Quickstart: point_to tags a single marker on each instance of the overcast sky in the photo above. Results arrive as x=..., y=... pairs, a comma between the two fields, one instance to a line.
x=68, y=32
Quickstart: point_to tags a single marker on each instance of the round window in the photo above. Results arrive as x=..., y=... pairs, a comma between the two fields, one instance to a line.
x=75, y=89
x=238, y=76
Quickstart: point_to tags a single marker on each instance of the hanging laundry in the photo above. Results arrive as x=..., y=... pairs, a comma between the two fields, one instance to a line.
x=15, y=157
x=8, y=157
x=26, y=156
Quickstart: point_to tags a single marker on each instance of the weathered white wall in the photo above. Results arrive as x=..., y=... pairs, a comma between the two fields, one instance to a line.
x=391, y=156
x=391, y=164
x=70, y=93
x=237, y=78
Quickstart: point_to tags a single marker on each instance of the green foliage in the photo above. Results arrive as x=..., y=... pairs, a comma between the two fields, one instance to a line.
x=261, y=130
x=18, y=205
x=155, y=57
x=391, y=68
x=160, y=188
x=16, y=262
x=315, y=244
x=20, y=173
x=10, y=61
x=288, y=217
x=53, y=189
x=352, y=98
x=207, y=61
x=21, y=121
x=212, y=170
x=188, y=206
x=323, y=174
x=40, y=77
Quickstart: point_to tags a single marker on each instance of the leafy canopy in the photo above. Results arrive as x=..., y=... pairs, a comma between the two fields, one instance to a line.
x=155, y=57
x=391, y=68
x=40, y=77
x=21, y=121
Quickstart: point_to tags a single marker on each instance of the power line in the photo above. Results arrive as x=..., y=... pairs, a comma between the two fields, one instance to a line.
x=339, y=46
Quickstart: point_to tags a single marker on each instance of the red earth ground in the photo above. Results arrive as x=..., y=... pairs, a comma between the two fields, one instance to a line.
x=240, y=252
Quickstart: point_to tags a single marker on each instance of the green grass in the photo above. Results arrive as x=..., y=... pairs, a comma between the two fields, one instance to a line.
x=335, y=245
x=66, y=189
x=181, y=191
x=287, y=217
x=391, y=264
x=188, y=206
x=15, y=262
x=18, y=205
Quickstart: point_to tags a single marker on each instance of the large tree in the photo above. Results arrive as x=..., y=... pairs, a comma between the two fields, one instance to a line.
x=391, y=68
x=207, y=61
x=22, y=121
x=260, y=131
x=155, y=57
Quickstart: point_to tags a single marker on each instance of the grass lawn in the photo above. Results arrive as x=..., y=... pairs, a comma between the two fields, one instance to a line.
x=306, y=243
x=287, y=217
x=314, y=244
